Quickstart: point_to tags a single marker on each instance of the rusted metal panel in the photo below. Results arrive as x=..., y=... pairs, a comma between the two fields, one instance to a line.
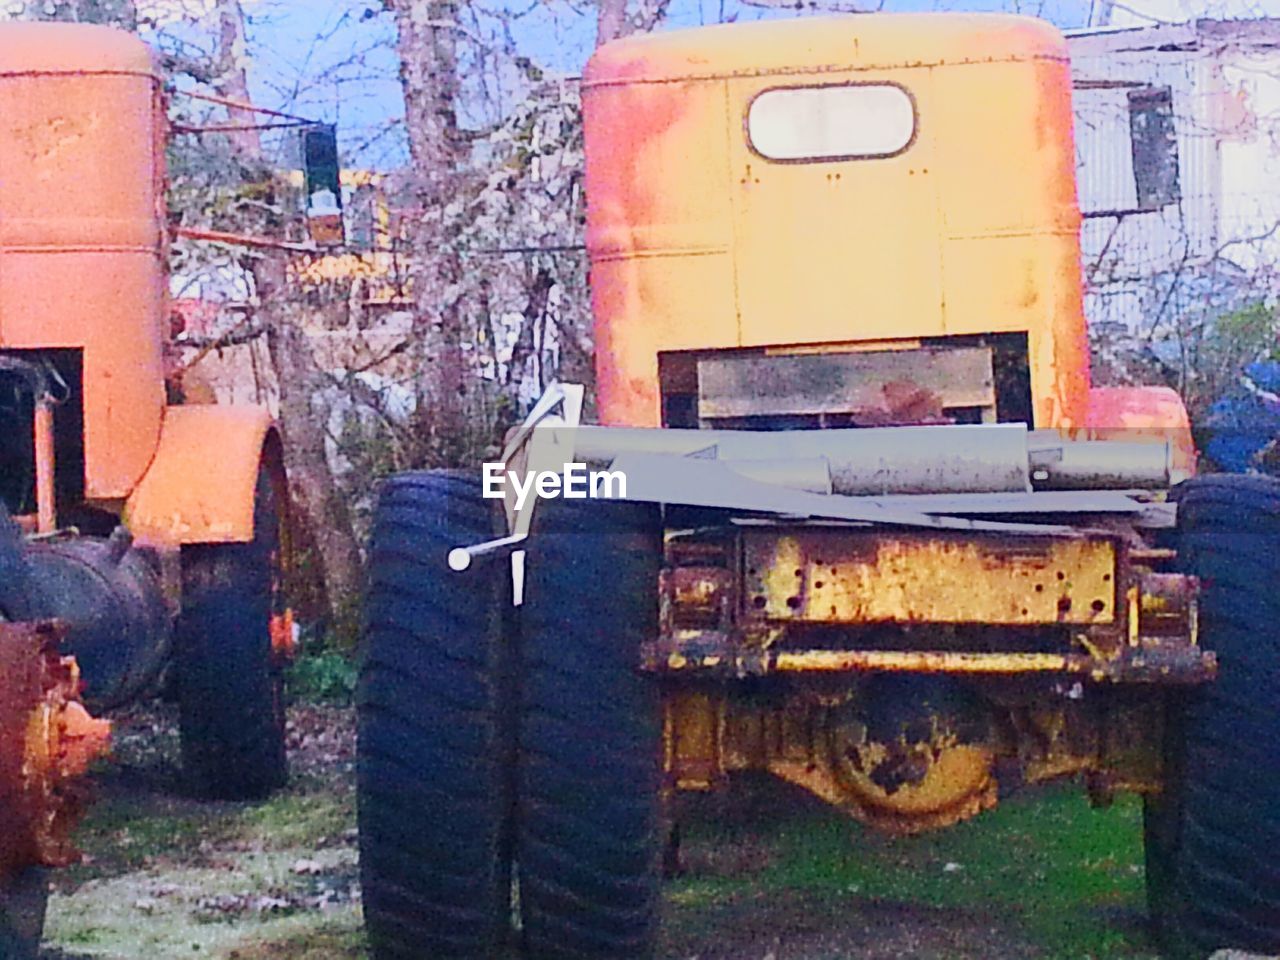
x=711, y=628
x=887, y=386
x=693, y=735
x=829, y=577
x=47, y=741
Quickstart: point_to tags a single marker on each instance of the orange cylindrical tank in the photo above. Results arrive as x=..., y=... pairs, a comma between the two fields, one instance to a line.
x=960, y=220
x=82, y=237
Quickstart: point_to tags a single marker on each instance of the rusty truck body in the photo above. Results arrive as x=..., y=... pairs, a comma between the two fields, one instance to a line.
x=882, y=537
x=136, y=534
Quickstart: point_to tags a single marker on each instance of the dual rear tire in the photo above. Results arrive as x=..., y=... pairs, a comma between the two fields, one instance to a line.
x=1213, y=877
x=498, y=755
x=488, y=753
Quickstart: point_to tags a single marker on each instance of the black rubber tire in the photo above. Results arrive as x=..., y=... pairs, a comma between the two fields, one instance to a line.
x=15, y=587
x=588, y=830
x=22, y=910
x=229, y=683
x=22, y=902
x=435, y=747
x=1213, y=880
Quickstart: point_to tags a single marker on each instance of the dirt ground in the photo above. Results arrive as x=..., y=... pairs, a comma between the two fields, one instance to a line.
x=165, y=876
x=769, y=874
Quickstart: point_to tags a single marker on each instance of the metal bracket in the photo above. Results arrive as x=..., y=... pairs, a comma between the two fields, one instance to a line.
x=527, y=449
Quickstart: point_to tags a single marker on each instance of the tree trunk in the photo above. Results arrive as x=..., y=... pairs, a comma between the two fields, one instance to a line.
x=427, y=45
x=611, y=20
x=324, y=508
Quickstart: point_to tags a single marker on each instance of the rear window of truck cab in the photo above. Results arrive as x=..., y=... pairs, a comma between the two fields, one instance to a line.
x=831, y=122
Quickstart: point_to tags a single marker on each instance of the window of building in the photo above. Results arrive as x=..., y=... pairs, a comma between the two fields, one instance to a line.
x=1155, y=147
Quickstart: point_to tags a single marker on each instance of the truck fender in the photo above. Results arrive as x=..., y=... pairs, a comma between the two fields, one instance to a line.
x=200, y=485
x=1144, y=413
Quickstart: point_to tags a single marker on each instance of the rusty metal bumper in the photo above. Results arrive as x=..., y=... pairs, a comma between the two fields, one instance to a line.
x=772, y=599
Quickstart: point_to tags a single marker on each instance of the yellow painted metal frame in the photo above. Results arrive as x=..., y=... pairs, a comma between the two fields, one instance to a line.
x=851, y=577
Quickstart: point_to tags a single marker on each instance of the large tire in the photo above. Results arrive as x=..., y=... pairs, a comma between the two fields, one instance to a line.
x=435, y=752
x=1213, y=876
x=588, y=848
x=22, y=909
x=229, y=681
x=23, y=898
x=15, y=586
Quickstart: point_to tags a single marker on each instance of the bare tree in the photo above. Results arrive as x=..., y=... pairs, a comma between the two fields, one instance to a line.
x=427, y=42
x=611, y=20
x=615, y=20
x=298, y=379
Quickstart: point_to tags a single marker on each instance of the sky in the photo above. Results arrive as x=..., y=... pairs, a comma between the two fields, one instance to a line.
x=334, y=60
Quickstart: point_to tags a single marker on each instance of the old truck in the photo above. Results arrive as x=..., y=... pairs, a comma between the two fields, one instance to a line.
x=135, y=533
x=880, y=536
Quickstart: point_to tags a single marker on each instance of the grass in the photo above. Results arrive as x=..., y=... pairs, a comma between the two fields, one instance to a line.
x=1064, y=877
x=322, y=675
x=294, y=820
x=323, y=943
x=131, y=832
x=168, y=876
x=771, y=871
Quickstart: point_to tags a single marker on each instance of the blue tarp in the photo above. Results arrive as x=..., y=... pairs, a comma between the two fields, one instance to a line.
x=1246, y=421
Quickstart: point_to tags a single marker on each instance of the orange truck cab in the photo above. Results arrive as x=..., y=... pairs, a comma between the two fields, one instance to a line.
x=84, y=287
x=158, y=529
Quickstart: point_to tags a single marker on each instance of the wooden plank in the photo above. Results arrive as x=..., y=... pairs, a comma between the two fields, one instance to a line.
x=844, y=383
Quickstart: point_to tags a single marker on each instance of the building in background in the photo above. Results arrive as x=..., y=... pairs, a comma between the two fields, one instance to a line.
x=1178, y=164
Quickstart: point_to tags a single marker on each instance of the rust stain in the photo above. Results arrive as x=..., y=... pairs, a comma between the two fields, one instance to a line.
x=846, y=578
x=47, y=741
x=46, y=141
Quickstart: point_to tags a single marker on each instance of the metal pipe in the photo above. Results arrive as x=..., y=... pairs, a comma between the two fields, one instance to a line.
x=37, y=379
x=958, y=458
x=970, y=458
x=46, y=507
x=241, y=240
x=1058, y=464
